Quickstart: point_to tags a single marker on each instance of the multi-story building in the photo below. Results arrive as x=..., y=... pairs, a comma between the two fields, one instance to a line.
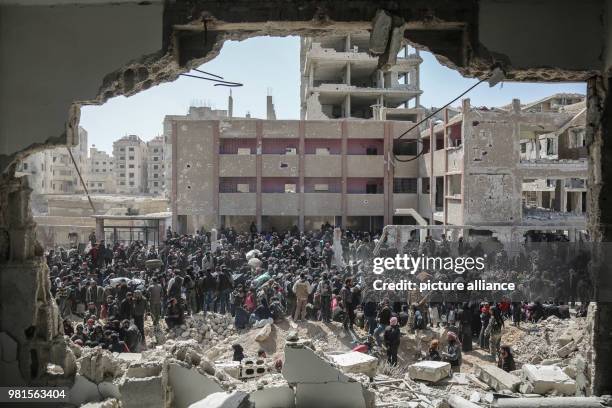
x=100, y=176
x=341, y=80
x=467, y=170
x=130, y=157
x=52, y=171
x=195, y=113
x=524, y=168
x=155, y=166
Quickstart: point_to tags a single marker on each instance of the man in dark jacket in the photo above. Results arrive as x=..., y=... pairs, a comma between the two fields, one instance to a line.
x=126, y=307
x=392, y=341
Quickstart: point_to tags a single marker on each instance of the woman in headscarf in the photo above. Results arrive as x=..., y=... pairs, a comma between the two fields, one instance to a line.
x=506, y=359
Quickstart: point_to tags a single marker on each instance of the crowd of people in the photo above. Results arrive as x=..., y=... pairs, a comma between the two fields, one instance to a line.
x=264, y=276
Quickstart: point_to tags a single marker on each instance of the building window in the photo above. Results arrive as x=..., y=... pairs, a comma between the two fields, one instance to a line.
x=155, y=184
x=244, y=151
x=122, y=149
x=97, y=163
x=155, y=150
x=155, y=167
x=131, y=149
x=131, y=175
x=425, y=185
x=99, y=184
x=131, y=158
x=155, y=175
x=131, y=166
x=155, y=158
x=242, y=188
x=322, y=151
x=103, y=170
x=121, y=157
x=131, y=183
x=290, y=188
x=321, y=187
x=122, y=166
x=405, y=185
x=290, y=150
x=25, y=166
x=523, y=147
x=121, y=174
x=97, y=170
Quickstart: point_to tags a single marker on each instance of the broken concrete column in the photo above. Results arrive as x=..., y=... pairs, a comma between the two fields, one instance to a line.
x=381, y=28
x=497, y=378
x=546, y=379
x=432, y=371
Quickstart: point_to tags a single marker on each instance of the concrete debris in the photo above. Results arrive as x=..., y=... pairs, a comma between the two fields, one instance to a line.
x=235, y=399
x=264, y=333
x=551, y=402
x=98, y=365
x=455, y=401
x=206, y=330
x=190, y=386
x=497, y=378
x=355, y=362
x=381, y=28
x=83, y=391
x=432, y=371
x=547, y=379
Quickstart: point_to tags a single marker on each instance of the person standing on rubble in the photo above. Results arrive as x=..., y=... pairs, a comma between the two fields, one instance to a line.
x=155, y=300
x=346, y=294
x=392, y=340
x=324, y=291
x=384, y=319
x=301, y=288
x=494, y=331
x=453, y=352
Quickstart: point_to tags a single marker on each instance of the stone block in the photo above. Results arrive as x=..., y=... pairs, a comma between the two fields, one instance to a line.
x=432, y=371
x=232, y=368
x=273, y=397
x=546, y=379
x=147, y=392
x=302, y=365
x=189, y=386
x=497, y=378
x=235, y=399
x=355, y=362
x=264, y=333
x=567, y=349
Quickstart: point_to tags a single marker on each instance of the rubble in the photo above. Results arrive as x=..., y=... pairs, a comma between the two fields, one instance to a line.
x=209, y=329
x=355, y=362
x=497, y=378
x=547, y=379
x=235, y=399
x=431, y=371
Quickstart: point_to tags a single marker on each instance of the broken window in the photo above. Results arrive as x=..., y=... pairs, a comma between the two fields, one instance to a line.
x=425, y=185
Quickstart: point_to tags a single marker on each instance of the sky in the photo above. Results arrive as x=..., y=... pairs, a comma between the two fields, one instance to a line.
x=272, y=65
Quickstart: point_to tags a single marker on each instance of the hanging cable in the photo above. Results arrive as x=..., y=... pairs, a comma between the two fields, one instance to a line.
x=216, y=78
x=81, y=178
x=496, y=76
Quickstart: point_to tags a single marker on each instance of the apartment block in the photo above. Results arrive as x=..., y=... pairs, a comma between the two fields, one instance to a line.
x=155, y=166
x=100, y=172
x=130, y=156
x=341, y=80
x=52, y=171
x=469, y=170
x=285, y=173
x=521, y=167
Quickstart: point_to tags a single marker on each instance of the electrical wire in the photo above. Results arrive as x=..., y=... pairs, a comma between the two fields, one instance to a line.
x=426, y=118
x=216, y=78
x=76, y=167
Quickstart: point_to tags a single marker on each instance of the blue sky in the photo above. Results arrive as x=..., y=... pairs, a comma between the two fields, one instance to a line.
x=272, y=63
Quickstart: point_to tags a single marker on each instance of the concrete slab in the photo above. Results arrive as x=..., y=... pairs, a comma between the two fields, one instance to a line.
x=432, y=371
x=273, y=397
x=302, y=365
x=235, y=399
x=333, y=394
x=83, y=391
x=147, y=392
x=355, y=362
x=189, y=386
x=497, y=378
x=232, y=368
x=546, y=379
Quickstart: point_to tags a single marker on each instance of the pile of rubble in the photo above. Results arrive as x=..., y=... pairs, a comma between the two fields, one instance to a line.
x=209, y=329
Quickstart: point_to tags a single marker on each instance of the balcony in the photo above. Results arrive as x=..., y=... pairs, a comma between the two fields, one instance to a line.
x=237, y=203
x=320, y=204
x=365, y=204
x=322, y=166
x=365, y=166
x=280, y=165
x=279, y=204
x=233, y=165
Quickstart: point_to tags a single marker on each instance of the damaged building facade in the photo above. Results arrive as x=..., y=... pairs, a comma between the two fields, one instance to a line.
x=161, y=40
x=280, y=174
x=340, y=79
